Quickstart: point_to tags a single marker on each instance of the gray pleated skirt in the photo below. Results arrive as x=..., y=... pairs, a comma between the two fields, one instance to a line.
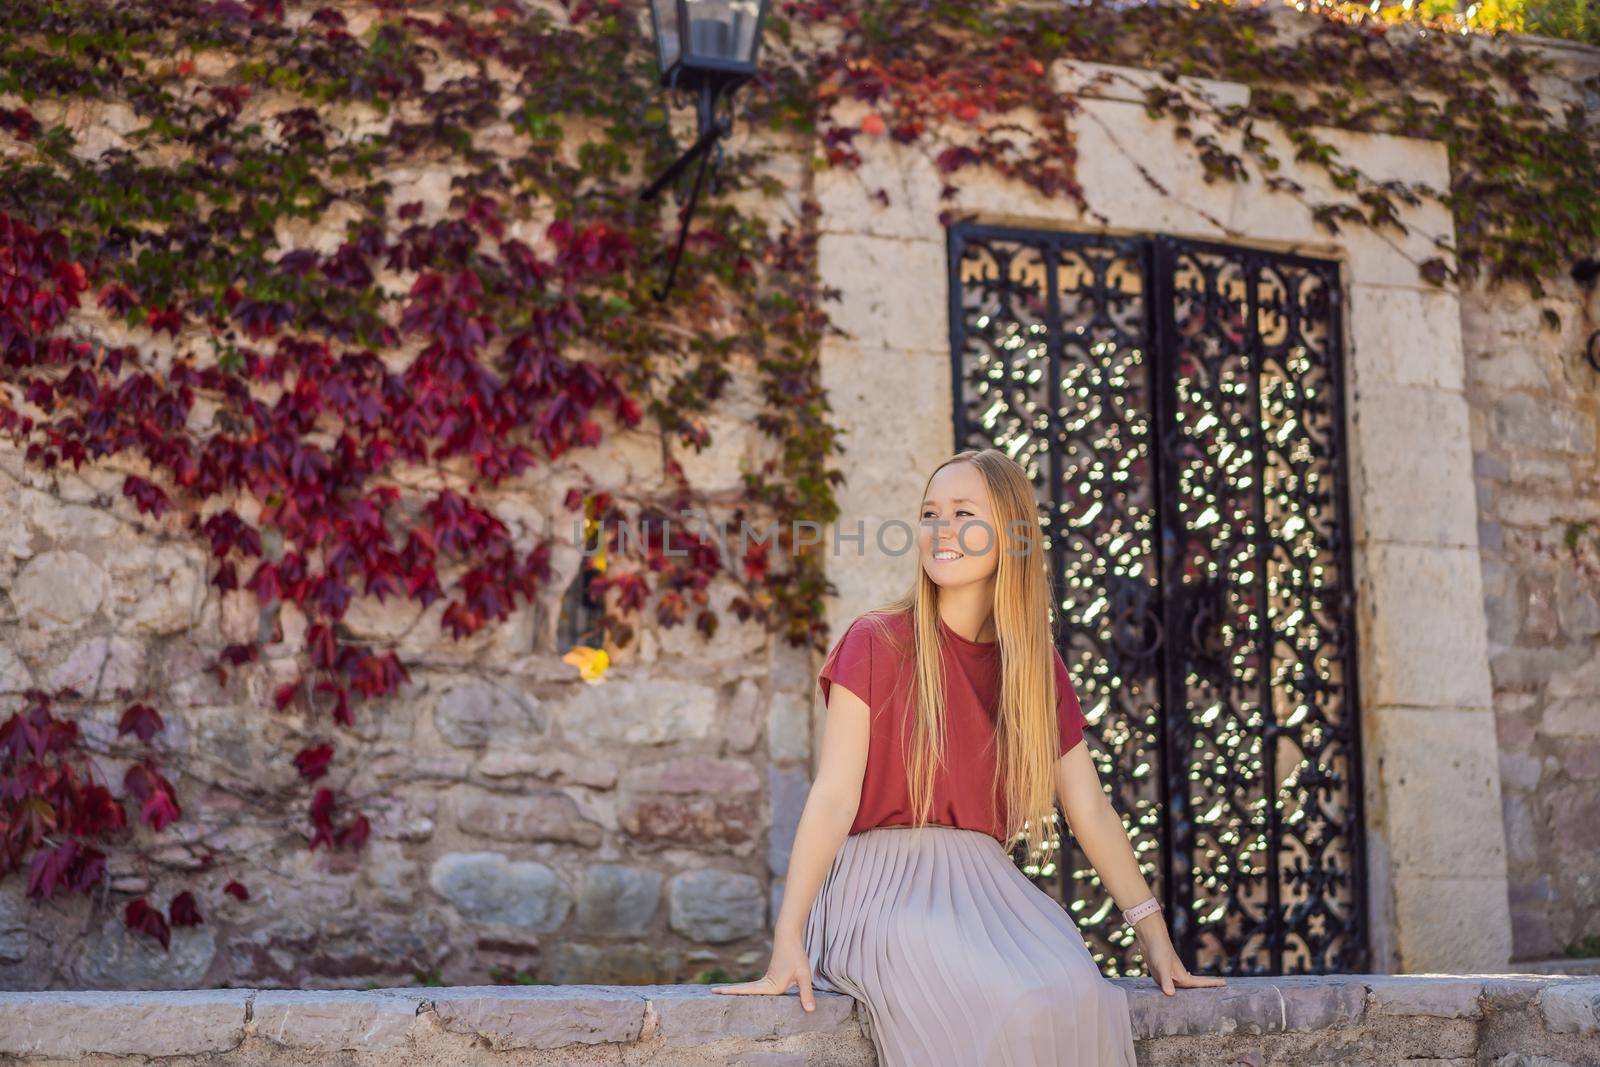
x=957, y=959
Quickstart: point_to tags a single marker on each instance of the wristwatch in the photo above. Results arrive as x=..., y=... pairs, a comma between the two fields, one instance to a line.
x=1139, y=911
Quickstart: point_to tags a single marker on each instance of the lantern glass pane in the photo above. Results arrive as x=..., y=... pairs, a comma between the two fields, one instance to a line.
x=723, y=30
x=664, y=14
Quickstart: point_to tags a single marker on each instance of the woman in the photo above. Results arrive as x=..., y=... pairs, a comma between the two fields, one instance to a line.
x=949, y=735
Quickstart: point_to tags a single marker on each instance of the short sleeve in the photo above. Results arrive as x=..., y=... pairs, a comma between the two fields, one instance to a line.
x=850, y=663
x=1069, y=715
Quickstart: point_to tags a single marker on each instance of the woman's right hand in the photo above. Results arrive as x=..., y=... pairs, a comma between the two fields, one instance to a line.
x=789, y=965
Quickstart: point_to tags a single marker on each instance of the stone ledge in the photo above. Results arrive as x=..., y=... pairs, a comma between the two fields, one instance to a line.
x=1506, y=1020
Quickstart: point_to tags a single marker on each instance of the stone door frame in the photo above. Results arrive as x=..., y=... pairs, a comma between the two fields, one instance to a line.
x=1144, y=320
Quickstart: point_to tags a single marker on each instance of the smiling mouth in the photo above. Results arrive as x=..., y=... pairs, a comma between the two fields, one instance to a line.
x=946, y=554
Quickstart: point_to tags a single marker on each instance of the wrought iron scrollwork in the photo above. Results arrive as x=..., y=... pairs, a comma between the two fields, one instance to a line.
x=1179, y=408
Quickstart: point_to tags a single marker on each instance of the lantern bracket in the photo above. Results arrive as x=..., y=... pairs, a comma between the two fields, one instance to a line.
x=712, y=130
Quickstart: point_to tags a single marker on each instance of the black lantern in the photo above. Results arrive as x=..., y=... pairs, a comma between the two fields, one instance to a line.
x=707, y=42
x=707, y=47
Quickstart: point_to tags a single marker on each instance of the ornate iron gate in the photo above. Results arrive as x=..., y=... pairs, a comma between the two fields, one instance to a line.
x=1179, y=406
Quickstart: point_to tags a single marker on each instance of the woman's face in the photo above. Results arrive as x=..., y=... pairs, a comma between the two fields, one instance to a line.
x=958, y=536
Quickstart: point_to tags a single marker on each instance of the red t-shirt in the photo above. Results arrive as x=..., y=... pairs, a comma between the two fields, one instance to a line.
x=873, y=670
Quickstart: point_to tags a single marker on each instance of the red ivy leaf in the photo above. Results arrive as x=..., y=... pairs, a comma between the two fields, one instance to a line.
x=170, y=320
x=69, y=866
x=142, y=721
x=149, y=499
x=161, y=810
x=312, y=763
x=160, y=804
x=322, y=818
x=324, y=647
x=140, y=917
x=236, y=890
x=355, y=832
x=236, y=655
x=184, y=911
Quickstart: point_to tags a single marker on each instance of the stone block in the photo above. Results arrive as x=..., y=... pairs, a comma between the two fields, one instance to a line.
x=388, y=619
x=630, y=964
x=687, y=1016
x=548, y=764
x=640, y=711
x=1583, y=760
x=547, y=815
x=1521, y=420
x=1439, y=773
x=894, y=291
x=1426, y=639
x=1404, y=336
x=1412, y=468
x=66, y=1026
x=1571, y=1007
x=15, y=920
x=1452, y=925
x=15, y=675
x=789, y=727
x=888, y=450
x=1317, y=1003
x=113, y=957
x=715, y=906
x=1251, y=1006
x=58, y=591
x=1106, y=81
x=700, y=821
x=741, y=716
x=720, y=466
x=471, y=712
x=486, y=887
x=336, y=1020
x=156, y=590
x=515, y=1017
x=391, y=875
x=1572, y=810
x=617, y=899
x=738, y=644
x=99, y=666
x=1432, y=995
x=1389, y=257
x=894, y=192
x=694, y=774
x=1113, y=139
x=788, y=791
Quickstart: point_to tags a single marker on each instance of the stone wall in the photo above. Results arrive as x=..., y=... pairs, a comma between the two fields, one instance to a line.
x=1358, y=1020
x=637, y=830
x=1535, y=411
x=523, y=821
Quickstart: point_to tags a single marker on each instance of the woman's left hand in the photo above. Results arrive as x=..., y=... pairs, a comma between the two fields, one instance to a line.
x=1168, y=970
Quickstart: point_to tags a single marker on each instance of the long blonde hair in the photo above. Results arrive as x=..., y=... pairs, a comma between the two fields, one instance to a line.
x=1027, y=734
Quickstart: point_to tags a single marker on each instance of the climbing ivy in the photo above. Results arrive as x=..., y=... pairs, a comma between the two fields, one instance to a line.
x=276, y=396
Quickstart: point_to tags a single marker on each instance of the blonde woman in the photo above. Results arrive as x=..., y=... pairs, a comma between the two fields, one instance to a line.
x=952, y=728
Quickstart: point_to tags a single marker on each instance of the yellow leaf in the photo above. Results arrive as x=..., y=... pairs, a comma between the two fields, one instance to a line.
x=591, y=662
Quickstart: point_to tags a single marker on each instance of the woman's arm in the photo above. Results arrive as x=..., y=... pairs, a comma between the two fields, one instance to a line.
x=830, y=808
x=1098, y=830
